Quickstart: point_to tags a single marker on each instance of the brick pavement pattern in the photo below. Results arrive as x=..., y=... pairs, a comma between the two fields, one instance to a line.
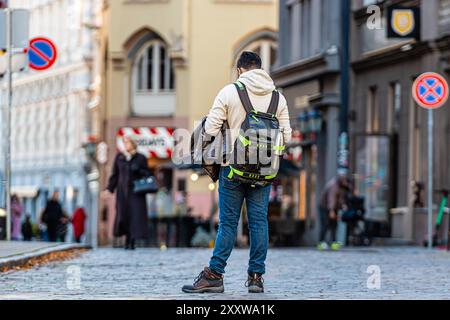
x=293, y=274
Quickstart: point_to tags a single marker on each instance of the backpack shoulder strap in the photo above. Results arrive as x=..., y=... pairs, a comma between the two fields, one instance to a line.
x=273, y=108
x=243, y=95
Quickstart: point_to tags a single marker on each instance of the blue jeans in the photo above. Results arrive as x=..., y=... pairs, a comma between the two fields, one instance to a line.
x=231, y=198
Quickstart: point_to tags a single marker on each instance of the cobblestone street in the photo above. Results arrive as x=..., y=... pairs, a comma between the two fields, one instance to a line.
x=406, y=273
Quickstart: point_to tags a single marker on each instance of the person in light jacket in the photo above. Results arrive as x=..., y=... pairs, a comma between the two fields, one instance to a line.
x=228, y=108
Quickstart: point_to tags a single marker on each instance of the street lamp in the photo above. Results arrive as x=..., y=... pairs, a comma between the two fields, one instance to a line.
x=303, y=123
x=310, y=122
x=315, y=121
x=194, y=177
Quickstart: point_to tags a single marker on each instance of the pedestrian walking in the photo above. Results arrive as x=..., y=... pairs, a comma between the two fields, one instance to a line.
x=53, y=216
x=78, y=222
x=27, y=229
x=332, y=200
x=131, y=210
x=250, y=101
x=16, y=221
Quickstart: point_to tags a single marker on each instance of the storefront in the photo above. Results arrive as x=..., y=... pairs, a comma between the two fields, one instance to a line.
x=374, y=164
x=311, y=87
x=287, y=215
x=157, y=145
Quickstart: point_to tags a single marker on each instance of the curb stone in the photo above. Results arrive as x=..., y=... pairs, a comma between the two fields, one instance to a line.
x=19, y=260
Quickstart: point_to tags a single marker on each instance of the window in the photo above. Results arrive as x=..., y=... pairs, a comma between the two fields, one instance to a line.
x=305, y=38
x=304, y=28
x=369, y=2
x=294, y=29
x=153, y=69
x=372, y=119
x=266, y=48
x=444, y=16
x=395, y=104
x=152, y=77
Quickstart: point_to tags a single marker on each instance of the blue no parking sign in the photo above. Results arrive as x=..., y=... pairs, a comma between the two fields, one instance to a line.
x=430, y=90
x=42, y=53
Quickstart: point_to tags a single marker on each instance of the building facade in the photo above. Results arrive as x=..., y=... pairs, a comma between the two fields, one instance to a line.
x=50, y=115
x=308, y=71
x=164, y=62
x=388, y=130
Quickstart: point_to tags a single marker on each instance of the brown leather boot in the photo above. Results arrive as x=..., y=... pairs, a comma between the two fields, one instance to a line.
x=255, y=283
x=207, y=282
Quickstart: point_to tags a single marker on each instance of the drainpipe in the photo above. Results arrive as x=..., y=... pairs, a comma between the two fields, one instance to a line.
x=343, y=144
x=345, y=67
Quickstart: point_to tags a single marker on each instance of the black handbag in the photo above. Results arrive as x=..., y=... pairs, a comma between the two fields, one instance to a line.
x=145, y=185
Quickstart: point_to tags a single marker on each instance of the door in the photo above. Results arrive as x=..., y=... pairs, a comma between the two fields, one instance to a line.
x=373, y=173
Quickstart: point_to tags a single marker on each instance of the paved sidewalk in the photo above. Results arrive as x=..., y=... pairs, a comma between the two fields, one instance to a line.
x=404, y=273
x=13, y=253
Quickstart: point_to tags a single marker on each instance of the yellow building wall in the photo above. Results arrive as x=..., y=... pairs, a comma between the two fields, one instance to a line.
x=209, y=31
x=218, y=27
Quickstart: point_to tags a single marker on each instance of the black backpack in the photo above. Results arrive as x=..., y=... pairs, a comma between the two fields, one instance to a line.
x=258, y=148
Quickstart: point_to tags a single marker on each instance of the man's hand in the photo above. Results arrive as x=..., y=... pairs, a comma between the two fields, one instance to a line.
x=333, y=215
x=106, y=194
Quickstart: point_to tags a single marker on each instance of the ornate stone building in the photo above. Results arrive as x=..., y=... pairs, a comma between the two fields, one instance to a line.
x=51, y=109
x=164, y=63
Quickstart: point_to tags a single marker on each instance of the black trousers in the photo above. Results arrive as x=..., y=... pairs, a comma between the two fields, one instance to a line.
x=52, y=233
x=327, y=224
x=129, y=241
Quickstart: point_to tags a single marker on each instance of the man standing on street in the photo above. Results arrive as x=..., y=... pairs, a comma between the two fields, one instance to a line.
x=228, y=107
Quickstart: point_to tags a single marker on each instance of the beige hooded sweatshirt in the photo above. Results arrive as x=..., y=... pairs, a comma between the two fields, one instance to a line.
x=228, y=107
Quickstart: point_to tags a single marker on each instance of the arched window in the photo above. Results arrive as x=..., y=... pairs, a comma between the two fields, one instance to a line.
x=267, y=50
x=152, y=77
x=153, y=69
x=265, y=46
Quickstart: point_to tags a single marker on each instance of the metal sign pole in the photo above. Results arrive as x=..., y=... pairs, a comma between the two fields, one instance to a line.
x=430, y=179
x=7, y=122
x=431, y=91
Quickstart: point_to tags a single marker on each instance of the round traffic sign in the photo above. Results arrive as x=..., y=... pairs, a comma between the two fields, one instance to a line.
x=42, y=53
x=430, y=90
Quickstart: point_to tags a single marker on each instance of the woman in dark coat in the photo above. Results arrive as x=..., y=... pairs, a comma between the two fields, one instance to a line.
x=53, y=217
x=131, y=208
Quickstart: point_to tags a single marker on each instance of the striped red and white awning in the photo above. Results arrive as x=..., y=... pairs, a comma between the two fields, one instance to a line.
x=152, y=142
